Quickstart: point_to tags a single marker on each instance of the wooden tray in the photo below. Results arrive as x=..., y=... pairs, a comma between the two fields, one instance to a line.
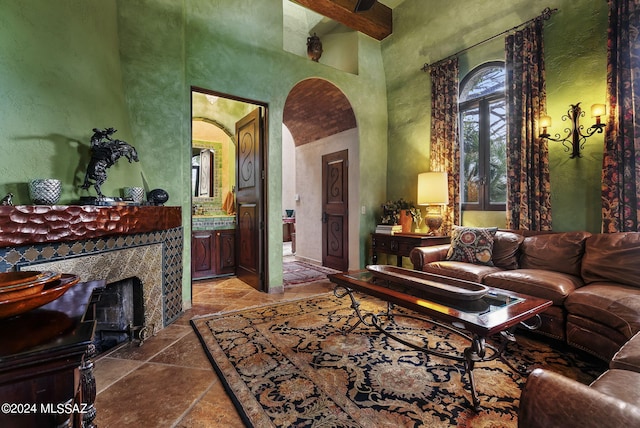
x=448, y=288
x=50, y=292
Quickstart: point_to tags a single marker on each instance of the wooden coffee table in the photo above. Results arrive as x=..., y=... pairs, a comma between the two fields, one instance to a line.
x=498, y=312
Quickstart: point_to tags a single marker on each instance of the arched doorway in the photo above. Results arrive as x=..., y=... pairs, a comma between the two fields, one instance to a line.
x=320, y=121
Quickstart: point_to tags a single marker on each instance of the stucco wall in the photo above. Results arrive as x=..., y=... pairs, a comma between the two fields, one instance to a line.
x=71, y=65
x=575, y=55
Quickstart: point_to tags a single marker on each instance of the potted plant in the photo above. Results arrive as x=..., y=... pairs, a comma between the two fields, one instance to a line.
x=401, y=212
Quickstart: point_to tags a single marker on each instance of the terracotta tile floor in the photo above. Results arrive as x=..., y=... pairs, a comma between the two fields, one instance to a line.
x=169, y=382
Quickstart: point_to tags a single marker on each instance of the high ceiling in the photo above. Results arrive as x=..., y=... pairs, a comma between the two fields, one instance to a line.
x=375, y=22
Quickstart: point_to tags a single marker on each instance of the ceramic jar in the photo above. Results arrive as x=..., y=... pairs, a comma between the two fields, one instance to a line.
x=45, y=191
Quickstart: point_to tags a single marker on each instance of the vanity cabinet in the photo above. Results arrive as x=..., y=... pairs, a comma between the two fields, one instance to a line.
x=212, y=253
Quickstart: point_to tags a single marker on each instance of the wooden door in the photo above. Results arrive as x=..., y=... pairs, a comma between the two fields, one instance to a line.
x=250, y=237
x=335, y=210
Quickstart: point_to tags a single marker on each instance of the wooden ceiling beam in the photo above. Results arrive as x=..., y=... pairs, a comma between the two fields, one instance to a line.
x=375, y=22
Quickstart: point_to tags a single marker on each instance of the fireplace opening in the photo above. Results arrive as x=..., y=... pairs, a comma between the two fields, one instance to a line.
x=120, y=314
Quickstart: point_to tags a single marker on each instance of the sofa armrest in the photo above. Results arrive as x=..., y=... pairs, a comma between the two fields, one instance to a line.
x=421, y=256
x=551, y=400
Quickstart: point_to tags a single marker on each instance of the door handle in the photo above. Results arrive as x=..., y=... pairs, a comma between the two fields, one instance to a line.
x=324, y=217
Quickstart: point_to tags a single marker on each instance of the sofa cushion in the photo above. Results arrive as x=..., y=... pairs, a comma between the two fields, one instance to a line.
x=621, y=384
x=460, y=270
x=612, y=257
x=505, y=249
x=554, y=286
x=628, y=357
x=472, y=245
x=611, y=304
x=559, y=252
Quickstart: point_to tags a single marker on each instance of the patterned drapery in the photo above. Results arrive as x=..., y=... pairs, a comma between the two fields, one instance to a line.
x=621, y=162
x=528, y=188
x=445, y=149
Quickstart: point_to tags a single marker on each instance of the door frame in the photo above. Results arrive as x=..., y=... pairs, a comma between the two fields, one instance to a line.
x=264, y=200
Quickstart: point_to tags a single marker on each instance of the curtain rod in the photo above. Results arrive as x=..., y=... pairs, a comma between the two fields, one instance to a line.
x=545, y=15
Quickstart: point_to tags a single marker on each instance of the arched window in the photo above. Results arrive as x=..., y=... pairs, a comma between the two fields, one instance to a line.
x=483, y=138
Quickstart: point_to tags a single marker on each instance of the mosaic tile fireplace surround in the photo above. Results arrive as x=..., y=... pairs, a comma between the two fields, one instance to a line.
x=110, y=243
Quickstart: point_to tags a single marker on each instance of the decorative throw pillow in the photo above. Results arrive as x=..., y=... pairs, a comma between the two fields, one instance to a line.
x=472, y=245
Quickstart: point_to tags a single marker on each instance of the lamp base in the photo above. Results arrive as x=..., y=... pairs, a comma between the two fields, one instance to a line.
x=433, y=219
x=433, y=222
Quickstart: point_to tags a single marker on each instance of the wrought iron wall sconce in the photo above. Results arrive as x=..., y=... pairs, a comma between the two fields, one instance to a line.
x=575, y=138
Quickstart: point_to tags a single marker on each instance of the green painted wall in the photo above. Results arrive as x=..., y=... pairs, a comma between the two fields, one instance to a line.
x=71, y=65
x=575, y=55
x=60, y=77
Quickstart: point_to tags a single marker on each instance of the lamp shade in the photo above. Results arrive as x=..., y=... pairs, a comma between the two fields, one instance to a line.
x=545, y=121
x=433, y=188
x=598, y=110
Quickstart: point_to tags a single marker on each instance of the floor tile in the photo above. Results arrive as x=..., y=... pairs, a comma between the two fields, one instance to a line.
x=155, y=395
x=215, y=409
x=186, y=352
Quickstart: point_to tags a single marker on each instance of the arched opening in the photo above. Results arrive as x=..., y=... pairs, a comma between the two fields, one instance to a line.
x=319, y=123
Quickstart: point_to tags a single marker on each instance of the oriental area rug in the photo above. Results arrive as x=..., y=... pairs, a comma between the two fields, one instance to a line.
x=298, y=273
x=291, y=365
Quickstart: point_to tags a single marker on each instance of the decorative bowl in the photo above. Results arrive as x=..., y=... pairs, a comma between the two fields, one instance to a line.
x=51, y=291
x=14, y=285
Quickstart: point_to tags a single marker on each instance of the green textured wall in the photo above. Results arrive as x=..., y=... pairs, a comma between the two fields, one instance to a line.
x=71, y=65
x=575, y=55
x=60, y=77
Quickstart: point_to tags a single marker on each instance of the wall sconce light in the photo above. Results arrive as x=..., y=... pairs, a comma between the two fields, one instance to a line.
x=575, y=139
x=433, y=191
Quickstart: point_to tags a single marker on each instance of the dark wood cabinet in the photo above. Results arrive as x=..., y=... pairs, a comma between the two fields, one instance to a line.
x=225, y=252
x=212, y=253
x=46, y=373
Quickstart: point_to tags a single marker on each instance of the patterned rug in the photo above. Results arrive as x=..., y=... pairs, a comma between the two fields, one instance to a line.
x=289, y=365
x=297, y=272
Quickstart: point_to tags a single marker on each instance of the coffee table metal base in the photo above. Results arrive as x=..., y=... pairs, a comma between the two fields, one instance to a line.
x=478, y=351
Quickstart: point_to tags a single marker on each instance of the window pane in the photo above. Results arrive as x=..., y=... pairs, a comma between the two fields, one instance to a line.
x=470, y=155
x=486, y=81
x=497, y=152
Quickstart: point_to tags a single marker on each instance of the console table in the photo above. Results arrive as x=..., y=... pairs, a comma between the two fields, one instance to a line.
x=46, y=373
x=401, y=244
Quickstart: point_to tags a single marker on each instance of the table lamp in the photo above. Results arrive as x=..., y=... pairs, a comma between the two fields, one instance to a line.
x=433, y=192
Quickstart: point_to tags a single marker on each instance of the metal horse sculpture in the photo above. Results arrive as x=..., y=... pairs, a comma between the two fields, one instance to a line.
x=105, y=152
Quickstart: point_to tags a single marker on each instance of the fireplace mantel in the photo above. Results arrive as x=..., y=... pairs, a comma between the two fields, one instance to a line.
x=34, y=224
x=101, y=243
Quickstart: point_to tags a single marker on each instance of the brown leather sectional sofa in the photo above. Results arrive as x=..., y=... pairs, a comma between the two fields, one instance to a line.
x=592, y=279
x=550, y=400
x=594, y=283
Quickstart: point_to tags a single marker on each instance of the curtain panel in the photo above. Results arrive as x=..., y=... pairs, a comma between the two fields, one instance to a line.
x=621, y=161
x=445, y=149
x=528, y=188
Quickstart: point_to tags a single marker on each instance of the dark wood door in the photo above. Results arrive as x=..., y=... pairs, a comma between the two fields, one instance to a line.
x=250, y=238
x=335, y=210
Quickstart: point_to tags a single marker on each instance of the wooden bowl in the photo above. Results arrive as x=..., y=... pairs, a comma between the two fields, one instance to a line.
x=50, y=292
x=15, y=285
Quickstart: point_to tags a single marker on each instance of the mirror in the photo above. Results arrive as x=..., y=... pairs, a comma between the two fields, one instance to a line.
x=202, y=173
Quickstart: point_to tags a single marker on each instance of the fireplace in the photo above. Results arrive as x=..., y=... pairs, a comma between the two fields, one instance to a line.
x=102, y=243
x=120, y=314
